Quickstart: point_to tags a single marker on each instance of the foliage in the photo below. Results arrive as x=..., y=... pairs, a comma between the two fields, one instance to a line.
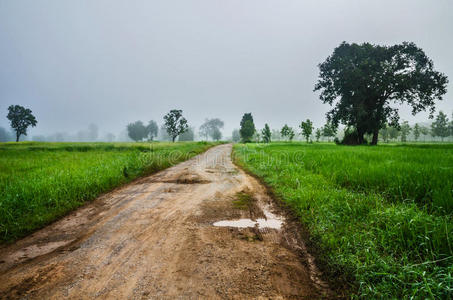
x=211, y=127
x=382, y=216
x=440, y=126
x=318, y=134
x=21, y=118
x=137, y=131
x=329, y=130
x=405, y=129
x=175, y=123
x=416, y=131
x=307, y=129
x=266, y=133
x=152, y=130
x=287, y=132
x=368, y=78
x=247, y=127
x=40, y=182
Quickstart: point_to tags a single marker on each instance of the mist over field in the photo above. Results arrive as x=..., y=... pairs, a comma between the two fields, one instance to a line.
x=110, y=63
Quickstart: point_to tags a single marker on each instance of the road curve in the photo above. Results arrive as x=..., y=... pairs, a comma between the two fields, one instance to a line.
x=154, y=238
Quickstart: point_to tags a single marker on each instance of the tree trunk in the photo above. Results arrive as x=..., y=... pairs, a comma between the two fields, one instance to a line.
x=375, y=137
x=173, y=138
x=17, y=137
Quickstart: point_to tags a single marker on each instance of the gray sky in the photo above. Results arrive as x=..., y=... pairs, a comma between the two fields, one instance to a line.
x=113, y=62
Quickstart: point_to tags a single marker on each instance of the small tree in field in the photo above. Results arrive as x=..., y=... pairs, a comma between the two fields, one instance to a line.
x=266, y=133
x=329, y=130
x=287, y=132
x=393, y=132
x=175, y=123
x=416, y=131
x=236, y=136
x=136, y=131
x=404, y=131
x=151, y=130
x=384, y=132
x=247, y=127
x=21, y=118
x=307, y=129
x=318, y=134
x=424, y=131
x=440, y=126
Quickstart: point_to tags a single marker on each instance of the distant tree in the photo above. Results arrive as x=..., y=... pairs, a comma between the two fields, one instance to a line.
x=440, y=126
x=384, y=131
x=416, y=131
x=21, y=118
x=211, y=128
x=285, y=132
x=188, y=135
x=4, y=135
x=256, y=137
x=216, y=134
x=307, y=129
x=276, y=136
x=247, y=127
x=329, y=130
x=152, y=130
x=405, y=129
x=266, y=133
x=109, y=137
x=451, y=124
x=93, y=132
x=136, y=131
x=393, y=132
x=175, y=123
x=367, y=79
x=236, y=136
x=318, y=134
x=424, y=131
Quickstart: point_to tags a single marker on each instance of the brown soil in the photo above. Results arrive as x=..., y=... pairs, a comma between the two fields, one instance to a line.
x=154, y=239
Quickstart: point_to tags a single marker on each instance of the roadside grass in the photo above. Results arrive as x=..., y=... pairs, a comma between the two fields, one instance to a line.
x=40, y=182
x=382, y=216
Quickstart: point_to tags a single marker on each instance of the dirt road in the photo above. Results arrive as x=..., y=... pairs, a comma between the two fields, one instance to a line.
x=155, y=238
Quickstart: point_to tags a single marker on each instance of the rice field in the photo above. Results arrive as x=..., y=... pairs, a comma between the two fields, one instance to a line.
x=380, y=217
x=40, y=182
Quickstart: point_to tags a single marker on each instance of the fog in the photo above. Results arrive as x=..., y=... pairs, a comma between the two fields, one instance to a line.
x=109, y=63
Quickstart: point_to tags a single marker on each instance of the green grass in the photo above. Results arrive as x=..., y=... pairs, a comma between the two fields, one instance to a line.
x=382, y=216
x=40, y=182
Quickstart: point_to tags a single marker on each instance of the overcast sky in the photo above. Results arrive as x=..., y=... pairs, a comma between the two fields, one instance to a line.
x=114, y=62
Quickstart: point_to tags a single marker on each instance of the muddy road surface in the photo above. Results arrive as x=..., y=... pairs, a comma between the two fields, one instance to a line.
x=200, y=229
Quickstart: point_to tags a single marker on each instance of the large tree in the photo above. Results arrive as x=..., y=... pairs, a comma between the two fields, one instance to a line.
x=247, y=127
x=364, y=81
x=136, y=131
x=175, y=123
x=21, y=118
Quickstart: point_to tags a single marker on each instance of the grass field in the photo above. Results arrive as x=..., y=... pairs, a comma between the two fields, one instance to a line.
x=40, y=182
x=380, y=216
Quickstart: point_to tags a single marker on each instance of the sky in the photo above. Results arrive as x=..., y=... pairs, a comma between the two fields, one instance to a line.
x=114, y=62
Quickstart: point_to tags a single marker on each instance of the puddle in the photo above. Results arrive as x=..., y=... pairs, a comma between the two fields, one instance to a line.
x=272, y=221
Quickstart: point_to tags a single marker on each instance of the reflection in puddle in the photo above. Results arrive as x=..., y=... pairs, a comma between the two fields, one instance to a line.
x=271, y=221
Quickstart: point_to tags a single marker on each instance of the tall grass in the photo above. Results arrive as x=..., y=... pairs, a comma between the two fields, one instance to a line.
x=381, y=215
x=40, y=182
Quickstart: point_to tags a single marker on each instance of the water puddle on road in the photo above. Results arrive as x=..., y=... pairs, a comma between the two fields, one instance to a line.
x=271, y=221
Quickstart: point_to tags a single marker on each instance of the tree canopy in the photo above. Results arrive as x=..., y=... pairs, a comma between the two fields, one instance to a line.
x=266, y=133
x=152, y=130
x=440, y=126
x=21, y=118
x=363, y=82
x=136, y=131
x=211, y=128
x=175, y=123
x=307, y=129
x=247, y=129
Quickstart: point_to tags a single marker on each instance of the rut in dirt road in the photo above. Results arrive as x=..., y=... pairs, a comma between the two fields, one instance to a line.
x=155, y=238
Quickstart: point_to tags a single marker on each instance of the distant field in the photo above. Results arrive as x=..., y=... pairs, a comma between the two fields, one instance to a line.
x=382, y=216
x=40, y=182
